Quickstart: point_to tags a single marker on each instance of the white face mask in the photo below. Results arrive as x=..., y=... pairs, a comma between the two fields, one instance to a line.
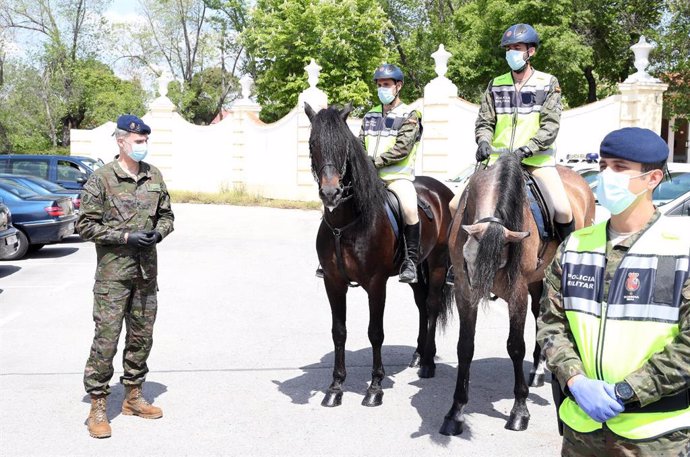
x=613, y=192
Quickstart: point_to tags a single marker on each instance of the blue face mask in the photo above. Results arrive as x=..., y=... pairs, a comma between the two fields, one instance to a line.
x=613, y=193
x=139, y=152
x=386, y=95
x=515, y=59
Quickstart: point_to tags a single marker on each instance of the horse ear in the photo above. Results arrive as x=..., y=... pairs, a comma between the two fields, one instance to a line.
x=309, y=111
x=345, y=111
x=514, y=237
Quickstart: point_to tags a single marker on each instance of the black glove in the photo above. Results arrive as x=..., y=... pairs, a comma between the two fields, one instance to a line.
x=141, y=239
x=524, y=152
x=156, y=235
x=483, y=151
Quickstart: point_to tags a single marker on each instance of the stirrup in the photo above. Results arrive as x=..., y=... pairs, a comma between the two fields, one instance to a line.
x=450, y=276
x=404, y=269
x=319, y=272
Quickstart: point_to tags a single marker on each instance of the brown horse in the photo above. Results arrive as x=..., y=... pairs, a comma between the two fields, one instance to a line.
x=356, y=243
x=495, y=242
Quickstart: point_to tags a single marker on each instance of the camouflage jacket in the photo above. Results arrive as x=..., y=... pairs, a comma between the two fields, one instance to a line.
x=549, y=119
x=665, y=373
x=114, y=204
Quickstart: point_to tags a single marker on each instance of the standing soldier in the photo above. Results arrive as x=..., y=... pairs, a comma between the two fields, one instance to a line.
x=615, y=316
x=126, y=212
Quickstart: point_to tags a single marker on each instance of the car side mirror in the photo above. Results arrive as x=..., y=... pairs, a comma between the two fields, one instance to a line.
x=82, y=179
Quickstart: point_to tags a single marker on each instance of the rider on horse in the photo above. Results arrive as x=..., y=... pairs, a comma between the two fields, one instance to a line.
x=521, y=112
x=390, y=135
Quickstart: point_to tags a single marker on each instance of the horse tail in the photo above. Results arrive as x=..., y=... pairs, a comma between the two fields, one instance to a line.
x=447, y=306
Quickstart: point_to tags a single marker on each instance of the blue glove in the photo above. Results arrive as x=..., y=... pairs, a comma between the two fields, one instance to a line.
x=596, y=398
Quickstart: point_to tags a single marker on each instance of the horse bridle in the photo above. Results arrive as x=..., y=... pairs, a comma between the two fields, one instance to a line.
x=346, y=195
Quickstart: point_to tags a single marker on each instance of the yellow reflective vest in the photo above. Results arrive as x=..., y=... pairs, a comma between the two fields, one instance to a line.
x=518, y=116
x=617, y=334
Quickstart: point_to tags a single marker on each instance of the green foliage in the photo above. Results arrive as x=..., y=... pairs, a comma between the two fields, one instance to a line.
x=343, y=36
x=200, y=101
x=672, y=58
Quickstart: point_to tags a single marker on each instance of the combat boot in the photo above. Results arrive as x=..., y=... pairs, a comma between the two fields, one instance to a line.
x=97, y=422
x=136, y=405
x=408, y=271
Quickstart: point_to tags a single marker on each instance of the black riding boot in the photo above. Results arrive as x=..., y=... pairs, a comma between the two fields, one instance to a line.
x=563, y=230
x=408, y=271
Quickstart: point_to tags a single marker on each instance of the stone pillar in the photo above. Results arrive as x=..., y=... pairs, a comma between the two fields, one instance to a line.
x=242, y=111
x=642, y=95
x=317, y=99
x=437, y=142
x=161, y=119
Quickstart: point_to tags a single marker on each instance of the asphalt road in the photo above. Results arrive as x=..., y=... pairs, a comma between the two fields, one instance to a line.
x=243, y=354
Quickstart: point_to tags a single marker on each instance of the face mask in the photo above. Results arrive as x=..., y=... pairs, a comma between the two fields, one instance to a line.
x=515, y=59
x=613, y=193
x=386, y=95
x=139, y=152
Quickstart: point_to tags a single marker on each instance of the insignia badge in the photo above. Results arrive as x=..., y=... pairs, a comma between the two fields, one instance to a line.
x=509, y=33
x=632, y=283
x=132, y=125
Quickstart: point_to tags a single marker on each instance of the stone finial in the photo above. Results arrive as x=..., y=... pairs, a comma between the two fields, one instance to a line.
x=313, y=70
x=441, y=57
x=641, y=49
x=246, y=82
x=163, y=80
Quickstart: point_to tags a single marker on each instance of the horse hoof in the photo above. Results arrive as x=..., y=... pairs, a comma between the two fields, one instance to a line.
x=332, y=399
x=427, y=371
x=416, y=359
x=374, y=398
x=536, y=379
x=517, y=423
x=451, y=427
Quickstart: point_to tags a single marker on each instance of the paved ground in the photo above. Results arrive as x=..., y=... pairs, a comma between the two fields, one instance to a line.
x=242, y=356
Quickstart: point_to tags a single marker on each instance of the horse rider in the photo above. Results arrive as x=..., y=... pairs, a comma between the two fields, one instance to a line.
x=521, y=112
x=615, y=316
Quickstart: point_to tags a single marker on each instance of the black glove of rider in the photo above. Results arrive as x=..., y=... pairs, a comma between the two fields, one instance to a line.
x=140, y=239
x=483, y=151
x=524, y=151
x=156, y=235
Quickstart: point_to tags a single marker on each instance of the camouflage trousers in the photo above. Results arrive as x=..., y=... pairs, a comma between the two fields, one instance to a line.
x=605, y=443
x=135, y=303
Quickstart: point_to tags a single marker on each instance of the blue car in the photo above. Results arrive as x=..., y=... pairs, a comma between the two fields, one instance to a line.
x=40, y=219
x=8, y=234
x=45, y=187
x=70, y=172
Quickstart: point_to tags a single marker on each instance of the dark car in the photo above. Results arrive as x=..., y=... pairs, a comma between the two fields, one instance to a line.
x=41, y=219
x=8, y=234
x=71, y=172
x=45, y=187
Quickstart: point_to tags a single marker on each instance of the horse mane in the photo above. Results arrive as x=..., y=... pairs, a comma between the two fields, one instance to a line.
x=336, y=143
x=510, y=199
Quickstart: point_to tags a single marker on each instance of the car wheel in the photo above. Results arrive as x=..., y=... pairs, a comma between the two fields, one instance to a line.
x=22, y=247
x=35, y=247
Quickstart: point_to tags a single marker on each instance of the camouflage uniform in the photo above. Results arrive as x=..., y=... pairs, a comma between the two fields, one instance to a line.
x=668, y=375
x=113, y=204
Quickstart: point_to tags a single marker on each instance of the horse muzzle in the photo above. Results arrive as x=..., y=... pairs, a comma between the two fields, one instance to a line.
x=331, y=196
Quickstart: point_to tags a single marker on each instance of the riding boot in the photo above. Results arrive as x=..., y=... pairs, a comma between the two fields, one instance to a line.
x=563, y=230
x=408, y=271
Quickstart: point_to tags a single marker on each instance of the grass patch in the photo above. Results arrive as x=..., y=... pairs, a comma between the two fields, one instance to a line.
x=238, y=196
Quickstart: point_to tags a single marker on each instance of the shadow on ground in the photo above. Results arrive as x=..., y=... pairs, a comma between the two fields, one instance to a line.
x=51, y=252
x=6, y=270
x=152, y=390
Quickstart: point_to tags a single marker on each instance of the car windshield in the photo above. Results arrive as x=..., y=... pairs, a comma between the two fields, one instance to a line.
x=93, y=164
x=16, y=189
x=590, y=175
x=671, y=189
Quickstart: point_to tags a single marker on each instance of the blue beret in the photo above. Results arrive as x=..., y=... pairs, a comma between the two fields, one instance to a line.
x=635, y=144
x=131, y=123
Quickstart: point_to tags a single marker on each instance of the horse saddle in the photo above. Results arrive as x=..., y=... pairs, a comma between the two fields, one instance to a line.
x=538, y=207
x=394, y=212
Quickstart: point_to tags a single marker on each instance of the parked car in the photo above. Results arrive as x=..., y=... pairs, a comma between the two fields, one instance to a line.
x=461, y=179
x=40, y=219
x=71, y=172
x=669, y=189
x=677, y=207
x=8, y=234
x=45, y=187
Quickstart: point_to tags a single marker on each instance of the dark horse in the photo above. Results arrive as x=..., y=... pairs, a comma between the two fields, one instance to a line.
x=356, y=243
x=494, y=241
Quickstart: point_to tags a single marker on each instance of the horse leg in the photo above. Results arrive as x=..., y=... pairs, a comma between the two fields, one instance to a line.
x=377, y=301
x=432, y=306
x=420, y=295
x=454, y=421
x=337, y=298
x=536, y=374
x=517, y=311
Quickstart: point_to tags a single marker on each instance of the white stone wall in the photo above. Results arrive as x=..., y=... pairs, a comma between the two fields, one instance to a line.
x=273, y=159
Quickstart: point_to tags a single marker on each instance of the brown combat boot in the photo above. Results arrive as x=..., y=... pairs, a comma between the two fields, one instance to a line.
x=136, y=405
x=98, y=424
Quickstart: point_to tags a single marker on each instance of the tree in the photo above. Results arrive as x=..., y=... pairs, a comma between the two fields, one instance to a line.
x=345, y=37
x=672, y=58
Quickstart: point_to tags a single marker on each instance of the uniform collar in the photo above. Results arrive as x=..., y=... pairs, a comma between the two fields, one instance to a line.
x=144, y=171
x=629, y=241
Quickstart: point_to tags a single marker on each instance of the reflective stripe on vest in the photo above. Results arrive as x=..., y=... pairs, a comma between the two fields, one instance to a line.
x=639, y=317
x=380, y=135
x=518, y=115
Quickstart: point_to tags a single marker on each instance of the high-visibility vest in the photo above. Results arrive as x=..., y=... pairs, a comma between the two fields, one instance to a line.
x=617, y=334
x=518, y=118
x=380, y=135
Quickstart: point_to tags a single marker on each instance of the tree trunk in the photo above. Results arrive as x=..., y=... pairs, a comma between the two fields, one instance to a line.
x=591, y=85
